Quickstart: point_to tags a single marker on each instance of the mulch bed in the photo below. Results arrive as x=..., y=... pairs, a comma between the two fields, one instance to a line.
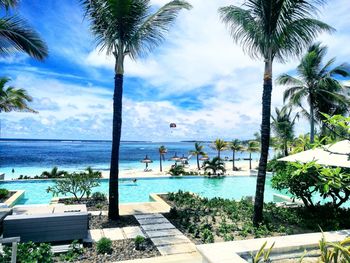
x=102, y=221
x=122, y=250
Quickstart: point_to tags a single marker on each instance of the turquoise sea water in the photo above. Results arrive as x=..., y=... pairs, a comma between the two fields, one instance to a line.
x=31, y=157
x=228, y=187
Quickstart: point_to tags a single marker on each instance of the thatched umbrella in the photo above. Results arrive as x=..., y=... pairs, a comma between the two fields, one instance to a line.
x=175, y=158
x=146, y=160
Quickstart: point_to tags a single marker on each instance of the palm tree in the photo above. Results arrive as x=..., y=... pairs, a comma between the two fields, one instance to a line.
x=162, y=151
x=215, y=165
x=317, y=84
x=269, y=30
x=13, y=99
x=54, y=173
x=301, y=143
x=252, y=147
x=126, y=28
x=198, y=151
x=16, y=35
x=219, y=145
x=235, y=146
x=283, y=126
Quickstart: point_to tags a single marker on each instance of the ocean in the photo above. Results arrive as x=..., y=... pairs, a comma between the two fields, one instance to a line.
x=31, y=157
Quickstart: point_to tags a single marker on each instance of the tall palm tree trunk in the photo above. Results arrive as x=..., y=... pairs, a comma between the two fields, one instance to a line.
x=198, y=166
x=233, y=160
x=285, y=149
x=250, y=161
x=312, y=120
x=265, y=140
x=160, y=163
x=219, y=154
x=113, y=208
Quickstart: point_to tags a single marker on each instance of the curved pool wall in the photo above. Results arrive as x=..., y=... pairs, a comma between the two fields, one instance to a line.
x=130, y=192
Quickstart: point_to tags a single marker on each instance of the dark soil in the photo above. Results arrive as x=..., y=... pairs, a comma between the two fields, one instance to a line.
x=122, y=250
x=98, y=222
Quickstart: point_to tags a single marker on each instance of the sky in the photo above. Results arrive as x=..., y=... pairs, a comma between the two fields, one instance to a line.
x=198, y=78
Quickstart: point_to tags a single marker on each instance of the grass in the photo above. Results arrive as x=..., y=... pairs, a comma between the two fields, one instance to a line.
x=213, y=220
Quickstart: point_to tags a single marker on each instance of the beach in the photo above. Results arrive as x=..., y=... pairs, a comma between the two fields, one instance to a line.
x=140, y=173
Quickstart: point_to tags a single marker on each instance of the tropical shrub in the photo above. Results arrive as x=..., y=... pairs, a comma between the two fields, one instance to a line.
x=215, y=165
x=98, y=197
x=54, y=173
x=263, y=255
x=305, y=180
x=139, y=242
x=177, y=170
x=104, y=246
x=77, y=184
x=29, y=252
x=3, y=193
x=74, y=251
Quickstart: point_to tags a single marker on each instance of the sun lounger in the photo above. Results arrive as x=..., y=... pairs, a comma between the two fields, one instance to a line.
x=47, y=223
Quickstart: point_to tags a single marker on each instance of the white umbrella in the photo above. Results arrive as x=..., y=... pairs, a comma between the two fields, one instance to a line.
x=331, y=155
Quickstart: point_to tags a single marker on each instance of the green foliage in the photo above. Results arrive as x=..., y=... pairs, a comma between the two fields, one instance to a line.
x=54, y=173
x=99, y=197
x=139, y=241
x=214, y=165
x=263, y=255
x=177, y=170
x=104, y=246
x=77, y=184
x=75, y=250
x=207, y=236
x=229, y=219
x=305, y=180
x=11, y=98
x=29, y=253
x=3, y=193
x=339, y=125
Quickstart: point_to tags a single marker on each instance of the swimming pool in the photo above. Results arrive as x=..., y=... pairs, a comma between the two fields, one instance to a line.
x=228, y=187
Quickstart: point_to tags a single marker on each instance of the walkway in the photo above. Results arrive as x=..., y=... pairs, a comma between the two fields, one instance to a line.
x=114, y=233
x=164, y=235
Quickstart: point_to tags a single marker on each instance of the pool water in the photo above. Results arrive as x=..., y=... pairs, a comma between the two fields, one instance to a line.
x=129, y=192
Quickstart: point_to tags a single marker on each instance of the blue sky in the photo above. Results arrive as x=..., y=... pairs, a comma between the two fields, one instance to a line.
x=197, y=78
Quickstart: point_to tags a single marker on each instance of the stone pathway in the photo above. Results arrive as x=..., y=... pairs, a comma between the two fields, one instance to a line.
x=114, y=233
x=164, y=235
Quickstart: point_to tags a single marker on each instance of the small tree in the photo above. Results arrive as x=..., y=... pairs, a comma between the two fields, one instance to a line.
x=214, y=165
x=77, y=184
x=304, y=181
x=198, y=150
x=54, y=173
x=162, y=151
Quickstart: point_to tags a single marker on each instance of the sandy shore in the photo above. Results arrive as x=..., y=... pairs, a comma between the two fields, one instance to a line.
x=137, y=173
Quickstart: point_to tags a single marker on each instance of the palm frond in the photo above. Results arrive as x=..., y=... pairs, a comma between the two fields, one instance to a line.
x=15, y=34
x=152, y=32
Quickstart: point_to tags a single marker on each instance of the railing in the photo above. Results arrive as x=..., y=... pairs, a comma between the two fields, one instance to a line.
x=14, y=241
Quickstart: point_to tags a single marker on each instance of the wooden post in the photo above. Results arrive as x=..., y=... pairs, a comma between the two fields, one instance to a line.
x=14, y=252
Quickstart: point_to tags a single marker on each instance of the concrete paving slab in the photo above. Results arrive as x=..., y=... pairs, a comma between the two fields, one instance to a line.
x=163, y=233
x=149, y=221
x=94, y=235
x=158, y=226
x=177, y=249
x=172, y=240
x=177, y=258
x=113, y=233
x=148, y=216
x=133, y=231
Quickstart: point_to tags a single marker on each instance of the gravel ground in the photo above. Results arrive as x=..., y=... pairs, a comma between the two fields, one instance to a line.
x=91, y=205
x=98, y=222
x=122, y=250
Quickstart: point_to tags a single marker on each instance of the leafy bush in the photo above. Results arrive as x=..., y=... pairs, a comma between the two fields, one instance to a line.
x=207, y=236
x=99, y=197
x=3, y=193
x=177, y=170
x=104, y=246
x=54, y=173
x=305, y=180
x=75, y=250
x=29, y=252
x=139, y=242
x=77, y=184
